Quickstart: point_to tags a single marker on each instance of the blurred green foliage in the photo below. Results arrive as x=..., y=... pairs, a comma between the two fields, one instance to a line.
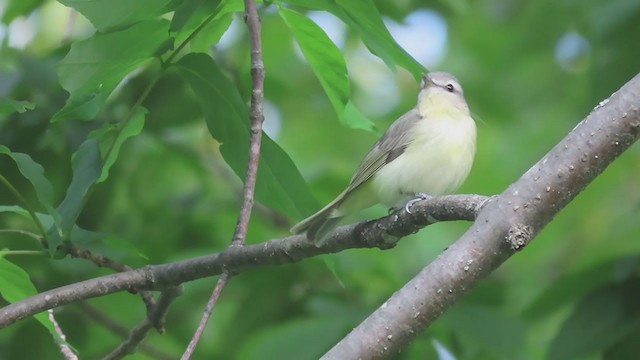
x=165, y=133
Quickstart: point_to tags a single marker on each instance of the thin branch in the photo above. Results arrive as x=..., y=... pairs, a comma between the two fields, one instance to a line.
x=121, y=330
x=155, y=318
x=506, y=224
x=104, y=261
x=213, y=299
x=255, y=141
x=382, y=233
x=65, y=349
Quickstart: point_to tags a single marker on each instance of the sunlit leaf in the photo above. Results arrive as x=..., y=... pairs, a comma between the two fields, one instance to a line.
x=280, y=184
x=211, y=33
x=193, y=13
x=363, y=17
x=93, y=67
x=15, y=285
x=104, y=14
x=328, y=64
x=374, y=33
x=10, y=106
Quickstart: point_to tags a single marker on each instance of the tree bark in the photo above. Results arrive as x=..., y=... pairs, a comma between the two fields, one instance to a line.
x=506, y=224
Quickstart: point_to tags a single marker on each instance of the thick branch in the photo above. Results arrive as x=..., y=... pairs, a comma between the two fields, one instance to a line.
x=375, y=233
x=506, y=224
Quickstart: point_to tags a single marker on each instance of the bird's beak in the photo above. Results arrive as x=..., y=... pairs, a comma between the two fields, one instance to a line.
x=426, y=81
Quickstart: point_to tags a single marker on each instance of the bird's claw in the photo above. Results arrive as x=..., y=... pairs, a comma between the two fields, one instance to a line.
x=419, y=197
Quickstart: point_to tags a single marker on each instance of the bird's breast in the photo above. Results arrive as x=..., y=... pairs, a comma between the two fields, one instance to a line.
x=436, y=162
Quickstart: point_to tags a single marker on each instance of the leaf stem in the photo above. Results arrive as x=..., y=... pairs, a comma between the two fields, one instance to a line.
x=26, y=205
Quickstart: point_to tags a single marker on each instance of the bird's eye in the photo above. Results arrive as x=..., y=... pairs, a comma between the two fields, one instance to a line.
x=450, y=88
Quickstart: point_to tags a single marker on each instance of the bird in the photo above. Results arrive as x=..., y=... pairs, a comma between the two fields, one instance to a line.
x=428, y=151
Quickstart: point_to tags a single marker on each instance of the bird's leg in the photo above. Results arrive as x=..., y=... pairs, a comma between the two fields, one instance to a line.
x=418, y=197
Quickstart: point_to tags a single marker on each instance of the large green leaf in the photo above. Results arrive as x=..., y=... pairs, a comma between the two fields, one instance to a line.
x=107, y=13
x=87, y=168
x=602, y=318
x=329, y=66
x=15, y=285
x=192, y=13
x=280, y=184
x=374, y=33
x=363, y=17
x=93, y=67
x=111, y=138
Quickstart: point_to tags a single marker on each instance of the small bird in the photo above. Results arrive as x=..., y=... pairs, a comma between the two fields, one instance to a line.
x=426, y=152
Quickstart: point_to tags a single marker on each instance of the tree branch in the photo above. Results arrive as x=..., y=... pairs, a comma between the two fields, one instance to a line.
x=507, y=223
x=382, y=233
x=255, y=141
x=155, y=318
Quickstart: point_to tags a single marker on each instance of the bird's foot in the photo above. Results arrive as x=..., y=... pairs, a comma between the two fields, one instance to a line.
x=419, y=197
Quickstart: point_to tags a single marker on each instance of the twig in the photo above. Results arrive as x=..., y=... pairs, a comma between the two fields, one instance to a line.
x=155, y=318
x=121, y=330
x=65, y=349
x=222, y=169
x=255, y=141
x=370, y=234
x=506, y=224
x=104, y=261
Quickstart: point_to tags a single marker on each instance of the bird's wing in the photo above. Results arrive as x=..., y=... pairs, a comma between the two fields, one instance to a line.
x=391, y=145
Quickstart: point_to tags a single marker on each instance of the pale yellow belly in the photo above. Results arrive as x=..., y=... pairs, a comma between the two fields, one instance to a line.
x=437, y=165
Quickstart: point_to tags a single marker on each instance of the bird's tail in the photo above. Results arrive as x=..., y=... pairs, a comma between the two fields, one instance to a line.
x=319, y=225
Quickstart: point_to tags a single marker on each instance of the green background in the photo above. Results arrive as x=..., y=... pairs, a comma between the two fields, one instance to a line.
x=172, y=192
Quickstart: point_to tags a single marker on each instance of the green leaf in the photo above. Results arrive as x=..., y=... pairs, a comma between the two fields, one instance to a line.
x=567, y=288
x=376, y=36
x=211, y=33
x=33, y=172
x=83, y=106
x=191, y=12
x=329, y=66
x=280, y=184
x=112, y=137
x=14, y=209
x=296, y=339
x=602, y=318
x=627, y=348
x=470, y=321
x=45, y=219
x=15, y=285
x=194, y=12
x=87, y=167
x=10, y=106
x=363, y=17
x=105, y=14
x=95, y=66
